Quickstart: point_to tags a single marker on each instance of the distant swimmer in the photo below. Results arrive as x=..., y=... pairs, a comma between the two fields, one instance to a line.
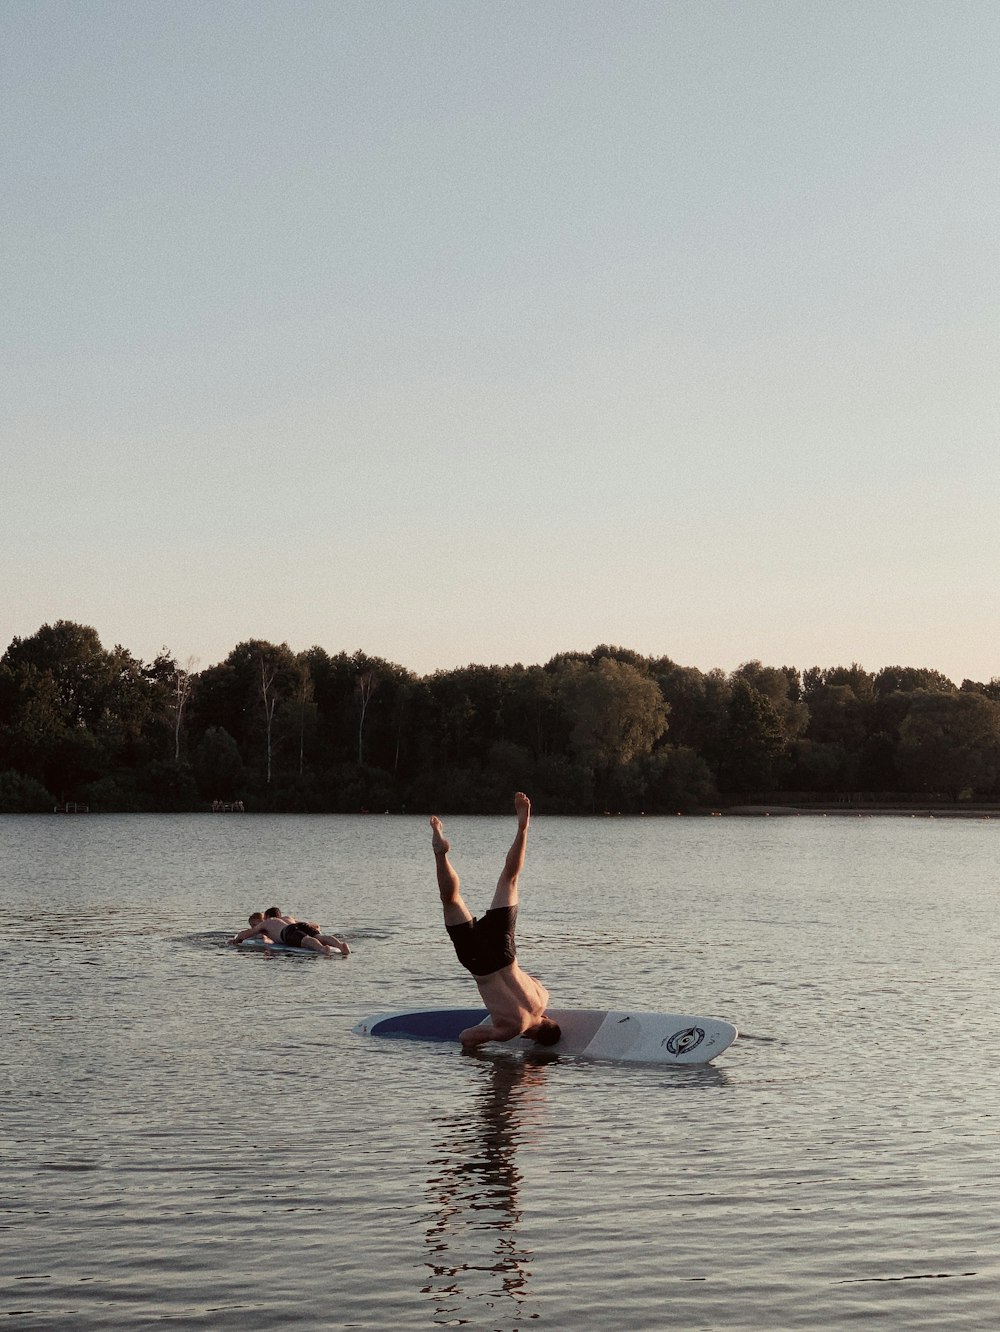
x=274, y=925
x=516, y=1001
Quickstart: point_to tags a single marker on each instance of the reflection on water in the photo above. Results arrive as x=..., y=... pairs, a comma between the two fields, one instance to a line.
x=475, y=1250
x=479, y=1261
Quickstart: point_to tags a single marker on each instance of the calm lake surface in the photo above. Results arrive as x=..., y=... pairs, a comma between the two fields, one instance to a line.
x=193, y=1136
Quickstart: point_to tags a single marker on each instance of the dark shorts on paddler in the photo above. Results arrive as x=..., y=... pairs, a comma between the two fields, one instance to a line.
x=292, y=935
x=484, y=946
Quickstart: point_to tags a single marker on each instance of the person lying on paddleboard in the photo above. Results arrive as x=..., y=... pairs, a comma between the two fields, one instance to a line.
x=282, y=929
x=485, y=948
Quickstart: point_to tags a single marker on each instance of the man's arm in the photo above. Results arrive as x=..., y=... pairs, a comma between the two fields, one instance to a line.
x=251, y=933
x=488, y=1031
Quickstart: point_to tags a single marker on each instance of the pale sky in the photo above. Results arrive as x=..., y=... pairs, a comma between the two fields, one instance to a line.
x=480, y=330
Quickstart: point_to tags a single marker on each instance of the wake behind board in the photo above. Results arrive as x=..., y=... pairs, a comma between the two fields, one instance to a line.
x=591, y=1033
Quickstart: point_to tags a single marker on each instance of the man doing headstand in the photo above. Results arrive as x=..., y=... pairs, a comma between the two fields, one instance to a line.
x=516, y=1001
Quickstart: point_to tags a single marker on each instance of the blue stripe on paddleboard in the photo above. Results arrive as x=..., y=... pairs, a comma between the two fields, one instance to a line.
x=436, y=1025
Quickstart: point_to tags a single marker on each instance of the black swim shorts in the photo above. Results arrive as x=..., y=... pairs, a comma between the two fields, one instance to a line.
x=487, y=945
x=292, y=935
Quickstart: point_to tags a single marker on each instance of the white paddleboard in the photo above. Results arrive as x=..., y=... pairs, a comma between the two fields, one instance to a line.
x=591, y=1033
x=265, y=945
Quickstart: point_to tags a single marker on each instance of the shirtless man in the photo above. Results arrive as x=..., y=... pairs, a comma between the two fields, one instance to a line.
x=485, y=948
x=282, y=929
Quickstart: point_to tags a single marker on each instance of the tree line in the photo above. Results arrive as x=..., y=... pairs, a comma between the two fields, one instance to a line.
x=585, y=732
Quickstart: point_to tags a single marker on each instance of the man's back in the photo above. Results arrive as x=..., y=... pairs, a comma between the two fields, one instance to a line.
x=516, y=1000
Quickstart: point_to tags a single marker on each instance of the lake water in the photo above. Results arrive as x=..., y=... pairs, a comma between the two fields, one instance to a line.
x=193, y=1136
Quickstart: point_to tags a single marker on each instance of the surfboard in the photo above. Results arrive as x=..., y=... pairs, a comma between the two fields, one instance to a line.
x=590, y=1033
x=266, y=945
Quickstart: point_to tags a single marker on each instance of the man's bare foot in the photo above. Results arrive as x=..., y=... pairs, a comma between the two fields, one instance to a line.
x=522, y=807
x=439, y=842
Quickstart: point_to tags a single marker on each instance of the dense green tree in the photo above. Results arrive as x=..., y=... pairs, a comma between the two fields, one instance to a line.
x=469, y=710
x=782, y=688
x=907, y=679
x=311, y=731
x=950, y=743
x=135, y=725
x=71, y=660
x=755, y=742
x=23, y=795
x=855, y=677
x=534, y=716
x=822, y=765
x=384, y=730
x=991, y=689
x=332, y=679
x=166, y=786
x=175, y=684
x=218, y=766
x=386, y=720
x=671, y=780
x=111, y=794
x=697, y=702
x=876, y=763
x=837, y=716
x=251, y=697
x=618, y=711
x=32, y=724
x=301, y=712
x=72, y=712
x=563, y=784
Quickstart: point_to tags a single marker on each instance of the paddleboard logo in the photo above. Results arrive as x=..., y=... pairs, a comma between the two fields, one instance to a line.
x=683, y=1041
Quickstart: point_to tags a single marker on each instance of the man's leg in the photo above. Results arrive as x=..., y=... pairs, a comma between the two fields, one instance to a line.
x=310, y=942
x=334, y=941
x=455, y=910
x=506, y=889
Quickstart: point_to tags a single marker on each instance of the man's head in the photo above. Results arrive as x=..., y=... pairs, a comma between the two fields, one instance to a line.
x=545, y=1032
x=256, y=918
x=272, y=912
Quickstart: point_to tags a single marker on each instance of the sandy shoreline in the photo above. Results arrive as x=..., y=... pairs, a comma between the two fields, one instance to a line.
x=866, y=810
